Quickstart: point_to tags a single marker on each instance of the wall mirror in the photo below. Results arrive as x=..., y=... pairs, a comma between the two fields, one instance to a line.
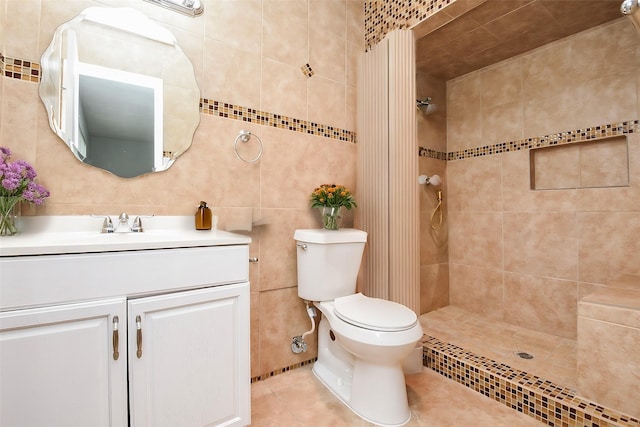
x=119, y=91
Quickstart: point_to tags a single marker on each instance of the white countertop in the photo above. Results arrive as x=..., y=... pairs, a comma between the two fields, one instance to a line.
x=41, y=235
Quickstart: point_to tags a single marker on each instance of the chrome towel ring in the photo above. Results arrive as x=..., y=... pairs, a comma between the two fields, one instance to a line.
x=245, y=136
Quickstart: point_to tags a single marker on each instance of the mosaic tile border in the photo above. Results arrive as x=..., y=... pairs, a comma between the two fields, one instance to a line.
x=251, y=115
x=539, y=398
x=30, y=71
x=433, y=154
x=383, y=16
x=282, y=370
x=20, y=69
x=572, y=136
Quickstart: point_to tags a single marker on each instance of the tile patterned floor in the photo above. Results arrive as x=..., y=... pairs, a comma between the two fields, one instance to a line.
x=297, y=399
x=554, y=358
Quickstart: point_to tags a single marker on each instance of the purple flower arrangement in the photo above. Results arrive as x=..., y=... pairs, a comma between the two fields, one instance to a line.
x=17, y=184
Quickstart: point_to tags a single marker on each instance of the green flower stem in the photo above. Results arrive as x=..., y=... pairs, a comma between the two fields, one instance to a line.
x=7, y=216
x=330, y=217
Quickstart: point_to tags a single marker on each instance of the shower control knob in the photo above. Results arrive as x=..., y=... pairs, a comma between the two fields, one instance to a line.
x=429, y=180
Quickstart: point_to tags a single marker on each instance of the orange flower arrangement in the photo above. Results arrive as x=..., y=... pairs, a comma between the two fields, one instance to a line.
x=332, y=195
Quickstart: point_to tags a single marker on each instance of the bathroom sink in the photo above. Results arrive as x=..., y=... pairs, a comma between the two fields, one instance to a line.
x=81, y=234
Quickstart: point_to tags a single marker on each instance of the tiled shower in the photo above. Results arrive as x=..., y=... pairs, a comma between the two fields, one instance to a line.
x=514, y=253
x=527, y=256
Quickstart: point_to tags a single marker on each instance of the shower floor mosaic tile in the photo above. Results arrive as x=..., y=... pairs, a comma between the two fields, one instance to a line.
x=554, y=358
x=485, y=357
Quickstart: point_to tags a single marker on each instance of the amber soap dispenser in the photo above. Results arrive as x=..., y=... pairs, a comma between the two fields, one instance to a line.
x=203, y=217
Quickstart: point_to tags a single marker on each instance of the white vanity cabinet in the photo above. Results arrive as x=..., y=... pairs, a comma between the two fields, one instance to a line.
x=129, y=338
x=186, y=361
x=57, y=366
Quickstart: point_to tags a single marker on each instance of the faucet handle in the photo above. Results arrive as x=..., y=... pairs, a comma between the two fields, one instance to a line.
x=137, y=223
x=107, y=224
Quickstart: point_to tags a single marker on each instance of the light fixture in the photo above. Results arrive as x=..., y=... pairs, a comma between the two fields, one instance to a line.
x=187, y=7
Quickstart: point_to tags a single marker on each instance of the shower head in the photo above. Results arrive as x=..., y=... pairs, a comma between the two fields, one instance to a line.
x=425, y=106
x=631, y=8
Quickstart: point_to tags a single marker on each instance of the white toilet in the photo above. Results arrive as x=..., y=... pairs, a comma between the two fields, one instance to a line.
x=362, y=341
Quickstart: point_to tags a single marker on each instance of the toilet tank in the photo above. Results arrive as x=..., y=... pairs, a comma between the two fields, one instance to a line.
x=328, y=262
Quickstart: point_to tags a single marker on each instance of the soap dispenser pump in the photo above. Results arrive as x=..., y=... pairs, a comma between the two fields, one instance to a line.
x=203, y=217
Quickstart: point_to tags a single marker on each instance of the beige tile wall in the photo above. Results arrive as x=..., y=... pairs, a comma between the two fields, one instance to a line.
x=245, y=52
x=610, y=317
x=526, y=256
x=2, y=35
x=432, y=135
x=434, y=244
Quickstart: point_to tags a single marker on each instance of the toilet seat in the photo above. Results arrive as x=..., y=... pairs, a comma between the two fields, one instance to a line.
x=374, y=313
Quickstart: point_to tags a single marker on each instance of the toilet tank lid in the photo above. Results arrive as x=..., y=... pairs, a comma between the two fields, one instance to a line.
x=322, y=236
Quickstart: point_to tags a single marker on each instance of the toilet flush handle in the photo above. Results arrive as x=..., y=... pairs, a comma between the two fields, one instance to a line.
x=302, y=246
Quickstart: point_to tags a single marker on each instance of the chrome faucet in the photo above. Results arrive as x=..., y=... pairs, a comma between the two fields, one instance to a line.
x=123, y=224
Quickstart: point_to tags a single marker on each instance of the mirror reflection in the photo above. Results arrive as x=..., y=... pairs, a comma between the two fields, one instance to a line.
x=119, y=91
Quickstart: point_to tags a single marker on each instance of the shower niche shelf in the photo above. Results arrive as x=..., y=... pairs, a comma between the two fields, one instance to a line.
x=597, y=163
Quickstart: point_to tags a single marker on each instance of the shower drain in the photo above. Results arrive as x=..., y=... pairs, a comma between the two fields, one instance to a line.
x=524, y=355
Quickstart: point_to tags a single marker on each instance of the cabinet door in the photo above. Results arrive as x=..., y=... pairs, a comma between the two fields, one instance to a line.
x=57, y=366
x=189, y=358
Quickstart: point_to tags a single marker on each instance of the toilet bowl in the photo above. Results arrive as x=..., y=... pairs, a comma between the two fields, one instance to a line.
x=362, y=363
x=362, y=341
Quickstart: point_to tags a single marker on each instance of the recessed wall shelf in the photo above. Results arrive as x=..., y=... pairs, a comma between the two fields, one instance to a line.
x=589, y=164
